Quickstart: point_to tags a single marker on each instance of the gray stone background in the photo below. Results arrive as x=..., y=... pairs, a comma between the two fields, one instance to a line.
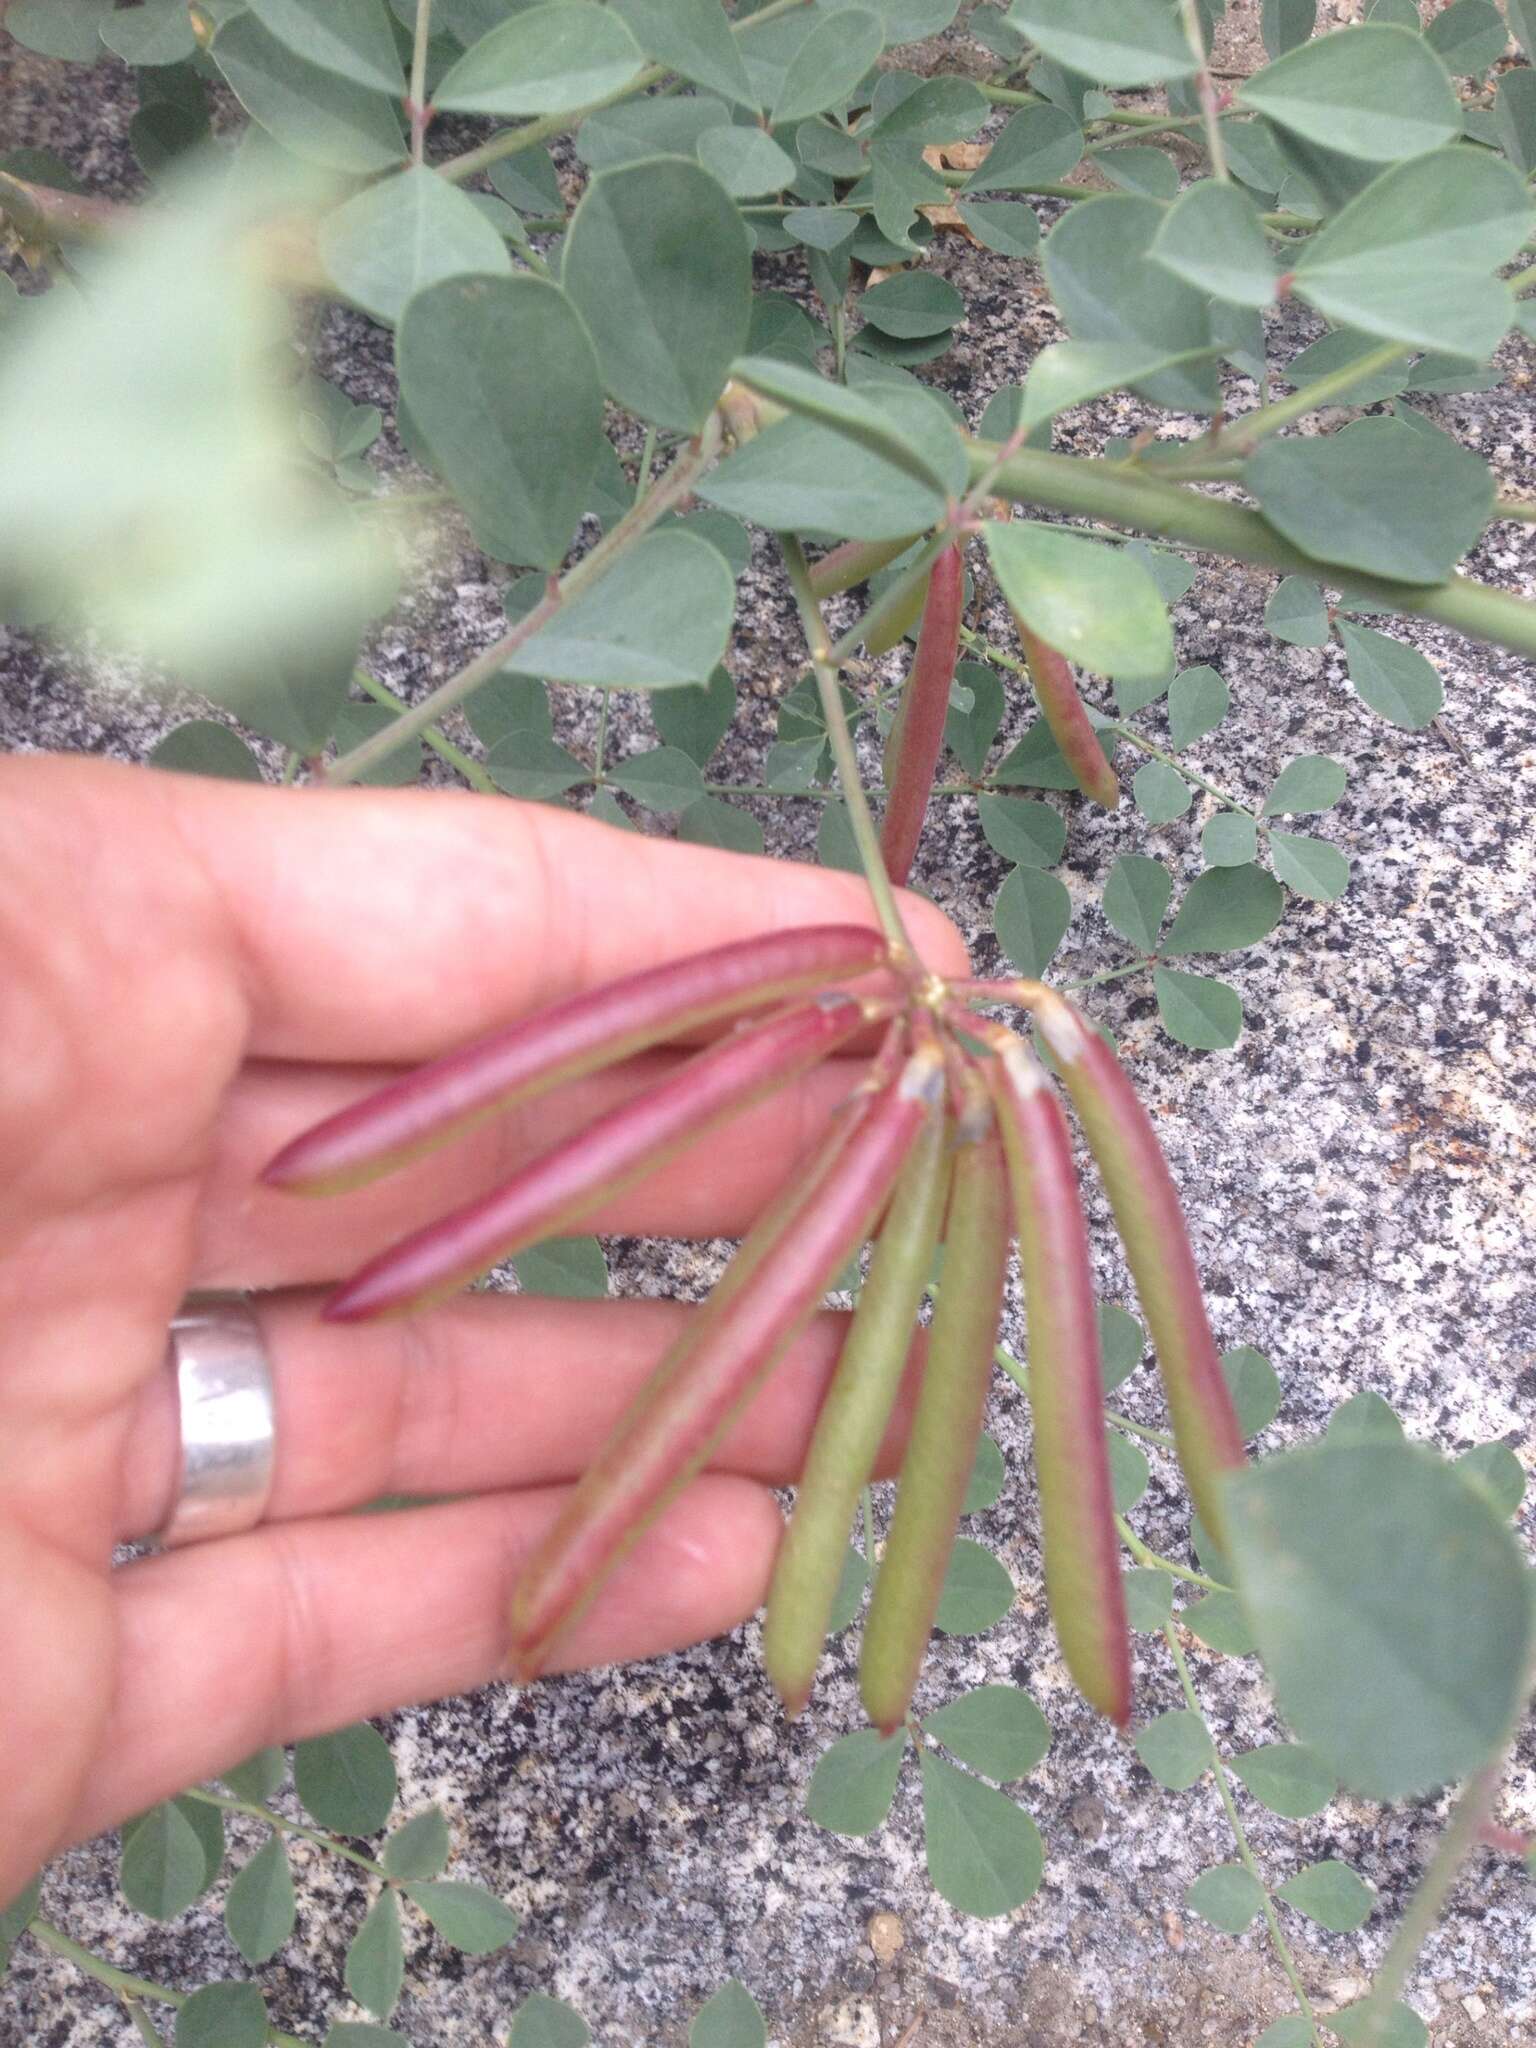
x=1359, y=1179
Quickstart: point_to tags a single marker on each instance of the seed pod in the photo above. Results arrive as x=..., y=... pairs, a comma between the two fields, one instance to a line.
x=918, y=734
x=555, y=1193
x=730, y=1348
x=1157, y=1248
x=854, y=563
x=942, y=1448
x=1066, y=1389
x=852, y=1422
x=449, y=1096
x=1071, y=727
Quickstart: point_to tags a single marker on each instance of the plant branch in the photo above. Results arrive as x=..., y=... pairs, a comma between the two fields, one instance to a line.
x=471, y=770
x=421, y=113
x=1145, y=504
x=1282, y=1947
x=229, y=1804
x=123, y=1982
x=677, y=482
x=1146, y=1556
x=825, y=662
x=1205, y=86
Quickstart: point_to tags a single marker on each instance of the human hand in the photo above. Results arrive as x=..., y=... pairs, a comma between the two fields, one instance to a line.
x=194, y=972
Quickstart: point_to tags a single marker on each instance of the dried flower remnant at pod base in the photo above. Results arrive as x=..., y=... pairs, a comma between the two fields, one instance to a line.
x=953, y=1128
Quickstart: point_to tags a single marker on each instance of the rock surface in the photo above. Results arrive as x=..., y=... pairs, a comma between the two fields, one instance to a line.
x=1359, y=1179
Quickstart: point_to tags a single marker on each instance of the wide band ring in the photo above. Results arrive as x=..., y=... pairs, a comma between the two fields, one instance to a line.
x=224, y=1396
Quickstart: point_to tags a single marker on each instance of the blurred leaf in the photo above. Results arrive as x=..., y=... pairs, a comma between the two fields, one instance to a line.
x=164, y=1865
x=730, y=2019
x=418, y=1848
x=1120, y=43
x=930, y=110
x=1412, y=257
x=1228, y=1896
x=1331, y=1894
x=1340, y=349
x=909, y=431
x=985, y=1855
x=1213, y=239
x=1198, y=700
x=1310, y=782
x=1229, y=840
x=748, y=163
x=1219, y=1622
x=1375, y=92
x=1514, y=116
x=1285, y=23
x=664, y=779
x=1287, y=1778
x=1364, y=1418
x=1176, y=1749
x=1069, y=373
x=1148, y=1598
x=259, y=1908
x=223, y=2016
x=996, y=1729
x=850, y=1591
x=977, y=1590
x=70, y=29
x=407, y=232
x=989, y=1475
x=508, y=703
x=1037, y=762
x=524, y=763
x=1197, y=1009
x=159, y=32
x=1376, y=496
x=1173, y=576
x=1311, y=867
x=1296, y=613
x=1148, y=170
x=544, y=60
x=836, y=846
x=1096, y=606
x=350, y=37
x=969, y=735
x=1401, y=2026
x=1108, y=288
x=1397, y=682
x=259, y=1776
x=912, y=303
x=710, y=821
x=543, y=2022
x=346, y=1781
x=573, y=1268
x=1129, y=1472
x=1354, y=1560
x=375, y=1966
x=315, y=112
x=657, y=263
x=1254, y=1386
x=799, y=475
x=470, y=1918
x=1136, y=896
x=1161, y=793
x=203, y=747
x=1030, y=918
x=355, y=723
x=1496, y=1469
x=694, y=39
x=854, y=1781
x=659, y=616
x=1468, y=37
x=15, y=1919
x=1022, y=830
x=828, y=64
x=1224, y=910
x=1039, y=145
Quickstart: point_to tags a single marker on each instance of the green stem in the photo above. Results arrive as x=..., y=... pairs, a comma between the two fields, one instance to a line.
x=1129, y=733
x=1282, y=1947
x=1205, y=86
x=511, y=140
x=1150, y=124
x=123, y=1982
x=647, y=457
x=1519, y=282
x=1515, y=508
x=419, y=114
x=1007, y=95
x=1160, y=1437
x=1150, y=1558
x=1146, y=504
x=825, y=662
x=292, y=761
x=1451, y=1851
x=1073, y=988
x=839, y=318
x=445, y=749
x=229, y=1804
x=1242, y=435
x=677, y=482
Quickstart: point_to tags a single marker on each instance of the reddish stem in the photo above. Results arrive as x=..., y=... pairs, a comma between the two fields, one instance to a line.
x=702, y=1386
x=586, y=1032
x=556, y=1192
x=919, y=731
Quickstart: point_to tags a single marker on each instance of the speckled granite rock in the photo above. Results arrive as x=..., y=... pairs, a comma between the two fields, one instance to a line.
x=1359, y=1177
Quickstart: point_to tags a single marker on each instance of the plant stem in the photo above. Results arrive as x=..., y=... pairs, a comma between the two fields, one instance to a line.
x=1146, y=504
x=1515, y=508
x=122, y=1982
x=1194, y=35
x=511, y=140
x=229, y=1804
x=677, y=482
x=1123, y=1423
x=445, y=749
x=824, y=661
x=1282, y=1947
x=1146, y=1556
x=1242, y=434
x=419, y=109
x=647, y=457
x=1129, y=733
x=1073, y=988
x=1007, y=95
x=1451, y=1851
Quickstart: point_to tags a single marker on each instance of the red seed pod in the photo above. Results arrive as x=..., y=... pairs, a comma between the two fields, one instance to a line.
x=918, y=734
x=942, y=1449
x=449, y=1096
x=1157, y=1249
x=1071, y=727
x=1066, y=1389
x=733, y=1344
x=554, y=1193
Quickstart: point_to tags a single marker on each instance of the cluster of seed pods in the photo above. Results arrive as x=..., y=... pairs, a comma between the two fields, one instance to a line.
x=955, y=1135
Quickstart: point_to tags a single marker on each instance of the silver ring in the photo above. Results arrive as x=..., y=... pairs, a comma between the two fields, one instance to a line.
x=228, y=1422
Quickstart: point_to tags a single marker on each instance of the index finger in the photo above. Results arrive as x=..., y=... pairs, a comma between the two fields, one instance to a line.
x=383, y=925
